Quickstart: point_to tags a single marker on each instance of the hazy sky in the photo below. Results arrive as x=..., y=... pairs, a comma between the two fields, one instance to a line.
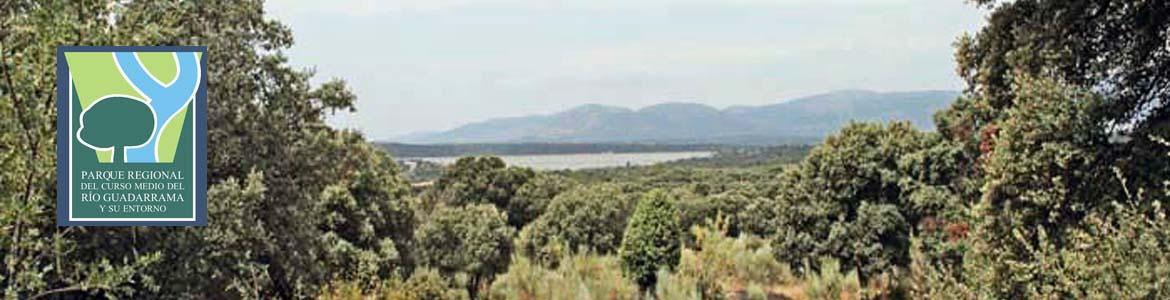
x=428, y=65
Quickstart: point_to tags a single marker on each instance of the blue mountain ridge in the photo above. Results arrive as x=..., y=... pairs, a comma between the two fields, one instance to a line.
x=802, y=119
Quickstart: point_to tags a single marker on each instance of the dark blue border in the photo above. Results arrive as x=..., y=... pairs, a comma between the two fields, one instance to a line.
x=64, y=142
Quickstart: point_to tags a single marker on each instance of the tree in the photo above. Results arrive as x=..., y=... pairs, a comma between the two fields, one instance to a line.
x=533, y=198
x=424, y=285
x=1117, y=49
x=653, y=239
x=474, y=240
x=1042, y=178
x=485, y=179
x=743, y=209
x=265, y=118
x=39, y=258
x=846, y=199
x=1065, y=102
x=222, y=254
x=117, y=122
x=364, y=212
x=587, y=218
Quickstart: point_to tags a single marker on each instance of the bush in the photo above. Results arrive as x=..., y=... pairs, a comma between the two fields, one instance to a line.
x=424, y=284
x=533, y=198
x=472, y=240
x=652, y=239
x=485, y=179
x=831, y=284
x=846, y=199
x=677, y=286
x=578, y=276
x=588, y=218
x=723, y=266
x=742, y=212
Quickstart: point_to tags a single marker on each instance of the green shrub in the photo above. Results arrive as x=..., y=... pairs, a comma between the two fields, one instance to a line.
x=846, y=199
x=343, y=290
x=578, y=276
x=652, y=239
x=932, y=278
x=755, y=292
x=481, y=179
x=677, y=286
x=723, y=266
x=472, y=240
x=588, y=218
x=831, y=284
x=424, y=284
x=533, y=198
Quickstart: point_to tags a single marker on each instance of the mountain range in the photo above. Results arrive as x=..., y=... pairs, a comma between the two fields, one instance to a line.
x=801, y=120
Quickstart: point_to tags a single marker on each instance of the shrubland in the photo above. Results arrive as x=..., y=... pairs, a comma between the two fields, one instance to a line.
x=1047, y=178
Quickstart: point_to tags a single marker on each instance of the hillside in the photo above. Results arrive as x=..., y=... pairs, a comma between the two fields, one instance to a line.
x=796, y=121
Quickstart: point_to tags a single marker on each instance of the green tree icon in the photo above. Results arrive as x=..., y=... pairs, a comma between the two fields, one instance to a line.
x=116, y=122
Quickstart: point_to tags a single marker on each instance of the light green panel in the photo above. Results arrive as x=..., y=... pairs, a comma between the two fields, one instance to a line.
x=169, y=137
x=161, y=65
x=95, y=74
x=105, y=156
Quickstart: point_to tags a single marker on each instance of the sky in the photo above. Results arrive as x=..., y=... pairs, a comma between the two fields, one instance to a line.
x=432, y=65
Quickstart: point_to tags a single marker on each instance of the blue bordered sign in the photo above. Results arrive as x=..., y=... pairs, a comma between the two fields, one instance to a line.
x=131, y=136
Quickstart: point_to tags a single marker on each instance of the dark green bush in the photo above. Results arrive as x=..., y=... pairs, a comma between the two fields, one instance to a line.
x=472, y=240
x=652, y=240
x=589, y=218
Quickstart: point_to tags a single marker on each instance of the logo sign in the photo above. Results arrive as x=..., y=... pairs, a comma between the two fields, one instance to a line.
x=131, y=136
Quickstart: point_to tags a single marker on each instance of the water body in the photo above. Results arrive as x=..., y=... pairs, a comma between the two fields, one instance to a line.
x=582, y=160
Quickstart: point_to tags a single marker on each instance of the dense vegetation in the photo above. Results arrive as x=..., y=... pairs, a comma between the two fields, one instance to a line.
x=1046, y=179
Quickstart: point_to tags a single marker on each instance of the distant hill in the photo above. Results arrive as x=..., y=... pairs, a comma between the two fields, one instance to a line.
x=800, y=120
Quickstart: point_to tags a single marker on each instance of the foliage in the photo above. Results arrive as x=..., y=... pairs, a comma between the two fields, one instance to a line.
x=846, y=199
x=472, y=240
x=933, y=279
x=1042, y=179
x=670, y=285
x=695, y=210
x=578, y=276
x=652, y=239
x=1117, y=49
x=421, y=170
x=1062, y=105
x=39, y=259
x=367, y=228
x=1047, y=179
x=831, y=284
x=424, y=284
x=485, y=179
x=586, y=218
x=219, y=261
x=700, y=181
x=533, y=198
x=721, y=266
x=747, y=156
